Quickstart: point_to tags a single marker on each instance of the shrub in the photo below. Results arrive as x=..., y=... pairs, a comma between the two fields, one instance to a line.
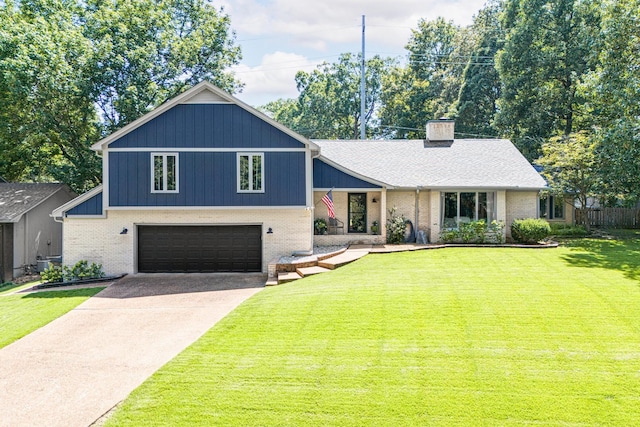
x=320, y=226
x=80, y=271
x=396, y=226
x=530, y=230
x=566, y=230
x=496, y=230
x=52, y=274
x=475, y=232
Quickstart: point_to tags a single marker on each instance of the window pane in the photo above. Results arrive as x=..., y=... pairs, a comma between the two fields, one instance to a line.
x=543, y=207
x=450, y=206
x=357, y=213
x=558, y=207
x=491, y=207
x=482, y=207
x=244, y=172
x=257, y=173
x=171, y=172
x=158, y=182
x=467, y=207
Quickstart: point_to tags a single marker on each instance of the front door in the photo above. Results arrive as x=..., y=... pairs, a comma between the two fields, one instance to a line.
x=357, y=212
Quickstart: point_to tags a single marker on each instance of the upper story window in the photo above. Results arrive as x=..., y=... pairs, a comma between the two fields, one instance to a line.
x=250, y=172
x=467, y=206
x=164, y=167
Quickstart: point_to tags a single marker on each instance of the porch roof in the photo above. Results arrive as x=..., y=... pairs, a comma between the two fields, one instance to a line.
x=462, y=163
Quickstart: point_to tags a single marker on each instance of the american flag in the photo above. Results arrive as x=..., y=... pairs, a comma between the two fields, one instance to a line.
x=328, y=200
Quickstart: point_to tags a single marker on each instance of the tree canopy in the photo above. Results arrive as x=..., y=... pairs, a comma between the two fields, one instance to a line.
x=72, y=71
x=560, y=78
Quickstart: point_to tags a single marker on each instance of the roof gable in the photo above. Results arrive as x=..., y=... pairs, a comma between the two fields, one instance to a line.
x=202, y=93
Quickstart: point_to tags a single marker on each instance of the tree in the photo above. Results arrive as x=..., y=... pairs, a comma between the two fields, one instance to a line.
x=428, y=87
x=328, y=106
x=148, y=51
x=550, y=46
x=60, y=59
x=613, y=91
x=47, y=118
x=570, y=166
x=476, y=105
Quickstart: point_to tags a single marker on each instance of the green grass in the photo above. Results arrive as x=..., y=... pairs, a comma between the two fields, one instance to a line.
x=23, y=314
x=462, y=336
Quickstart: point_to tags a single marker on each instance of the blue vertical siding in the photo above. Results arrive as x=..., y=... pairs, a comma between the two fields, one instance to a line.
x=206, y=126
x=207, y=179
x=326, y=176
x=92, y=206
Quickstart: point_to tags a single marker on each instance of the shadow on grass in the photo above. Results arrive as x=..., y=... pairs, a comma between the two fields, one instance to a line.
x=621, y=255
x=84, y=292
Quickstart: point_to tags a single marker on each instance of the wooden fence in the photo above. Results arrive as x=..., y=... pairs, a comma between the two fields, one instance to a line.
x=609, y=217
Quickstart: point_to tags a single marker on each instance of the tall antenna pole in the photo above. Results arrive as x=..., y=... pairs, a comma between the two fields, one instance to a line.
x=362, y=89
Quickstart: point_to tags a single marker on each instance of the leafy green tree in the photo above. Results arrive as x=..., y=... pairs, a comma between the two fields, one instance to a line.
x=47, y=118
x=476, y=105
x=428, y=87
x=62, y=59
x=550, y=46
x=571, y=166
x=614, y=95
x=328, y=106
x=147, y=51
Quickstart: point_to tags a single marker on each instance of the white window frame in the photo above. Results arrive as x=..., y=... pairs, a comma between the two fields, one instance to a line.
x=165, y=175
x=251, y=156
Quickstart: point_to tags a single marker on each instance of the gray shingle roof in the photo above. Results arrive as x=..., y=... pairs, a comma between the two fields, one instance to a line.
x=18, y=199
x=464, y=163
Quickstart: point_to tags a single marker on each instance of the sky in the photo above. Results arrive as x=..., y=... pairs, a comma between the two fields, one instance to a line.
x=280, y=37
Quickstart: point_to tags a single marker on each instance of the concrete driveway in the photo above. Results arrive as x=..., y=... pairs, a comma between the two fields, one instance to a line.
x=75, y=369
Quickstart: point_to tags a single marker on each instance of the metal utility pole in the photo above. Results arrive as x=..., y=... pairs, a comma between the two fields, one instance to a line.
x=362, y=89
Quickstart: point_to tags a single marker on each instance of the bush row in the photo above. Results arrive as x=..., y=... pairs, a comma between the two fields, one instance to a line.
x=475, y=232
x=80, y=271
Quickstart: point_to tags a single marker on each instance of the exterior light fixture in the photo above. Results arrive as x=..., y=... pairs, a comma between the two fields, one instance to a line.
x=124, y=230
x=270, y=230
x=374, y=200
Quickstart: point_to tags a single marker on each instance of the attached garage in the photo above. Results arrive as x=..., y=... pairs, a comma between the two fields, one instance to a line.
x=199, y=249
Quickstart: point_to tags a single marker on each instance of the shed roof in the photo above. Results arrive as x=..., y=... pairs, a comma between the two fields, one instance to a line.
x=463, y=163
x=16, y=199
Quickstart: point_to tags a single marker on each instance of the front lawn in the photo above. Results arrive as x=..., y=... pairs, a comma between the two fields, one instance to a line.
x=463, y=336
x=21, y=314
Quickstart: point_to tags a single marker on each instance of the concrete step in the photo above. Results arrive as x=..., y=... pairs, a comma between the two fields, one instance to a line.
x=288, y=277
x=272, y=281
x=348, y=256
x=308, y=271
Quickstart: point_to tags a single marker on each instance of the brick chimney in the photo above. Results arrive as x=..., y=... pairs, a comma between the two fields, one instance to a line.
x=440, y=130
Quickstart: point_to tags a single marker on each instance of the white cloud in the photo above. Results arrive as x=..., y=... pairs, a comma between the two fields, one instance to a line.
x=338, y=21
x=273, y=78
x=266, y=29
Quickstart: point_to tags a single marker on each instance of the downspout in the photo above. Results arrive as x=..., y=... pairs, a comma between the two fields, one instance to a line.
x=312, y=206
x=27, y=243
x=417, y=210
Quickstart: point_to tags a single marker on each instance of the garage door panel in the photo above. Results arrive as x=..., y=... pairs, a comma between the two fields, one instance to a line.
x=236, y=248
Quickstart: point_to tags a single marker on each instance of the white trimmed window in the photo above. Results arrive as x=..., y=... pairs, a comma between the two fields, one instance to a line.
x=467, y=206
x=250, y=173
x=164, y=172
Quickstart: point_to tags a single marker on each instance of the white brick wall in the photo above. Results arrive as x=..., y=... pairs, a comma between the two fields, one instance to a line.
x=100, y=241
x=405, y=202
x=520, y=205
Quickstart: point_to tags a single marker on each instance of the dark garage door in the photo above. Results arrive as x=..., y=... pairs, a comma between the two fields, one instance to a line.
x=199, y=249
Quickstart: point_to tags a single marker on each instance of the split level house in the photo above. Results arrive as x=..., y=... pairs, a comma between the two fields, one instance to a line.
x=206, y=183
